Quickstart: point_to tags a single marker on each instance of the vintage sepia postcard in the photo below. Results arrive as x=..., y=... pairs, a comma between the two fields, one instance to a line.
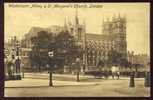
x=77, y=49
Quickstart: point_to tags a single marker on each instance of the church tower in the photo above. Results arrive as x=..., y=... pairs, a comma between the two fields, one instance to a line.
x=77, y=29
x=120, y=31
x=116, y=30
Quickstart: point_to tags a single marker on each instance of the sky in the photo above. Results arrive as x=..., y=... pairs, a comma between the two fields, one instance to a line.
x=20, y=17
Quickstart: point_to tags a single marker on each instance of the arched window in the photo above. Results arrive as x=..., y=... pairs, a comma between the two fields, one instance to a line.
x=79, y=33
x=71, y=30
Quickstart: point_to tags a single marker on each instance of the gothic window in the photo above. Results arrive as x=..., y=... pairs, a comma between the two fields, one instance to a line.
x=115, y=30
x=79, y=33
x=107, y=26
x=93, y=62
x=89, y=62
x=110, y=45
x=93, y=51
x=71, y=30
x=113, y=26
x=93, y=55
x=118, y=24
x=98, y=53
x=102, y=54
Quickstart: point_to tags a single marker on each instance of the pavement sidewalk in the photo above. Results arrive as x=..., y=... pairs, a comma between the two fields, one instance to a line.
x=42, y=79
x=70, y=76
x=40, y=88
x=27, y=82
x=63, y=75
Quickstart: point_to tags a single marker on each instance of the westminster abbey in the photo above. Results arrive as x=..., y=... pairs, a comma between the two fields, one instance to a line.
x=96, y=46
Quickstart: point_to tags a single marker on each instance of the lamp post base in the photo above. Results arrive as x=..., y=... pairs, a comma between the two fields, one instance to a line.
x=50, y=79
x=18, y=77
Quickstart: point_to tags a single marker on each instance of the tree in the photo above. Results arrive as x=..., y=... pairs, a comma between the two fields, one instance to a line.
x=71, y=50
x=63, y=46
x=39, y=56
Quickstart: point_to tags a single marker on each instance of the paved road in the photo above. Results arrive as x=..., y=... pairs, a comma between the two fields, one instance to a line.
x=66, y=77
x=30, y=87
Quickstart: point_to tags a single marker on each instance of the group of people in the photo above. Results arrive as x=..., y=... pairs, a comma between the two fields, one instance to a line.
x=115, y=72
x=115, y=69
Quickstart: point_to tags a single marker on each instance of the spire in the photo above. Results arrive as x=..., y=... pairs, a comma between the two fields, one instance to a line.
x=69, y=22
x=65, y=24
x=124, y=16
x=107, y=19
x=84, y=35
x=119, y=16
x=84, y=24
x=114, y=17
x=103, y=21
x=76, y=17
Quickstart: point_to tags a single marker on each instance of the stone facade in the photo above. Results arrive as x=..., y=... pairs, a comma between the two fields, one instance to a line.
x=96, y=46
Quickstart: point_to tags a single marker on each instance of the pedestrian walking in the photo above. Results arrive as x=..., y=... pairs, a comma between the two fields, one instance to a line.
x=113, y=69
x=118, y=72
x=22, y=69
x=73, y=67
x=84, y=66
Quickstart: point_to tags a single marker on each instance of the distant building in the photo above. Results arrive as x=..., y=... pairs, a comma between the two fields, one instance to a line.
x=142, y=59
x=11, y=54
x=26, y=42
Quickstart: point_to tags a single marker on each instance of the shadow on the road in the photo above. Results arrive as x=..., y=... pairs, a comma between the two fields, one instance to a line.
x=29, y=87
x=36, y=78
x=81, y=80
x=75, y=85
x=70, y=79
x=52, y=86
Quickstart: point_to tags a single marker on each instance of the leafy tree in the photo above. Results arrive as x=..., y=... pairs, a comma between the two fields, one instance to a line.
x=38, y=55
x=63, y=45
x=66, y=47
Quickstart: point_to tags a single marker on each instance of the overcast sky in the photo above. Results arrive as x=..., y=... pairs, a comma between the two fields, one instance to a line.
x=19, y=19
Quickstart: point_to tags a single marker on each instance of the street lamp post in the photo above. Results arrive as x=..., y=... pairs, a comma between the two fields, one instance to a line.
x=147, y=76
x=18, y=61
x=50, y=54
x=22, y=71
x=78, y=60
x=78, y=68
x=132, y=74
x=12, y=67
